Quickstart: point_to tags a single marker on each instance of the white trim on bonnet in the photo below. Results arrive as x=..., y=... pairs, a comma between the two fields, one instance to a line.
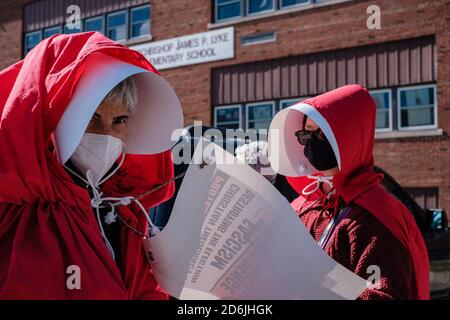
x=286, y=155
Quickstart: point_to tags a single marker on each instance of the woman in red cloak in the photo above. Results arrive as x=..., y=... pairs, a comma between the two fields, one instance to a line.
x=85, y=129
x=325, y=146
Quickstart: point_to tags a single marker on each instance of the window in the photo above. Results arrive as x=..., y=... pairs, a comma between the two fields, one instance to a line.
x=259, y=6
x=95, y=24
x=292, y=3
x=417, y=107
x=225, y=10
x=31, y=40
x=259, y=115
x=72, y=30
x=113, y=25
x=258, y=38
x=228, y=9
x=140, y=21
x=290, y=102
x=52, y=31
x=118, y=26
x=427, y=198
x=383, y=101
x=228, y=117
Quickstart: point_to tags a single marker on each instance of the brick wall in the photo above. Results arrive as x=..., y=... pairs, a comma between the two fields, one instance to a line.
x=414, y=162
x=10, y=31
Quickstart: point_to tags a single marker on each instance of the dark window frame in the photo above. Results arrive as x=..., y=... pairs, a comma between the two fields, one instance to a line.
x=83, y=21
x=248, y=105
x=435, y=107
x=103, y=17
x=245, y=6
x=294, y=5
x=127, y=23
x=25, y=40
x=394, y=107
x=81, y=25
x=130, y=36
x=216, y=10
x=60, y=28
x=427, y=193
x=391, y=126
x=231, y=106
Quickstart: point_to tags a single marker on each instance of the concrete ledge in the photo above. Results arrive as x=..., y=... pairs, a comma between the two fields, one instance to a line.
x=132, y=42
x=408, y=134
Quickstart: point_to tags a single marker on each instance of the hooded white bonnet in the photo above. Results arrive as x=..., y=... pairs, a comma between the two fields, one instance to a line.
x=286, y=154
x=153, y=127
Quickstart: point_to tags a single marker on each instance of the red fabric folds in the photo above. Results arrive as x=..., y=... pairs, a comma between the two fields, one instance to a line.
x=46, y=221
x=350, y=111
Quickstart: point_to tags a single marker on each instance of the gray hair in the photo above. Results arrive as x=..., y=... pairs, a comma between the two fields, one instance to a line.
x=125, y=93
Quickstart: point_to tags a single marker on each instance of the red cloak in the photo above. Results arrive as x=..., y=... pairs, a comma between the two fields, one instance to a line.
x=46, y=221
x=350, y=112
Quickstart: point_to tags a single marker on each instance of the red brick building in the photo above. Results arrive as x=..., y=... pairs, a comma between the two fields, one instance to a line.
x=275, y=52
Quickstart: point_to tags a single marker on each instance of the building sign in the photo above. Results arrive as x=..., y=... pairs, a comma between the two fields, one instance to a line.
x=188, y=50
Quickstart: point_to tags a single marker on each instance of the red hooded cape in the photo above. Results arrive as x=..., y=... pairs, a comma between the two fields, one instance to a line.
x=46, y=221
x=350, y=112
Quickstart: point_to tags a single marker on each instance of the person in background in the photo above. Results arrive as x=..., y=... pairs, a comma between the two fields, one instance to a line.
x=329, y=140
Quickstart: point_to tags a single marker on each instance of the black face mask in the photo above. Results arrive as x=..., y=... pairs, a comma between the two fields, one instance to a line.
x=320, y=154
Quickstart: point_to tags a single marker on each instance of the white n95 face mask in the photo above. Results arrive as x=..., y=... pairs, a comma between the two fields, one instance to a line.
x=96, y=153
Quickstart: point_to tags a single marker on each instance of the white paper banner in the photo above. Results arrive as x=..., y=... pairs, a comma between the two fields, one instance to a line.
x=232, y=235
